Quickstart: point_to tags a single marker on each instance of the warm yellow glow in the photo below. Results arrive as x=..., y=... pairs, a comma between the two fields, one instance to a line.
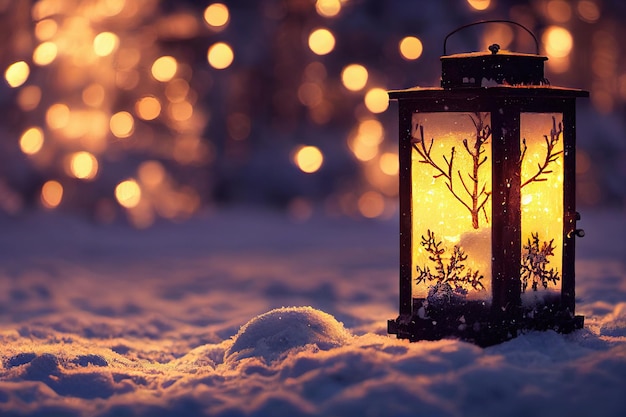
x=389, y=163
x=502, y=33
x=479, y=4
x=31, y=141
x=558, y=41
x=29, y=97
x=321, y=41
x=128, y=193
x=220, y=55
x=105, y=43
x=588, y=11
x=83, y=165
x=148, y=108
x=17, y=73
x=309, y=159
x=45, y=29
x=376, y=100
x=328, y=8
x=216, y=15
x=122, y=124
x=93, y=95
x=151, y=173
x=57, y=116
x=45, y=53
x=542, y=201
x=436, y=208
x=354, y=77
x=164, y=68
x=371, y=204
x=411, y=48
x=51, y=194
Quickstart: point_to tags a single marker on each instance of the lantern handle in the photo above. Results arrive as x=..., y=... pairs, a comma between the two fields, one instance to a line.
x=445, y=41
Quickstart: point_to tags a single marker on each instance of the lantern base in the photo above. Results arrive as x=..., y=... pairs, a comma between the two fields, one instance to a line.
x=477, y=322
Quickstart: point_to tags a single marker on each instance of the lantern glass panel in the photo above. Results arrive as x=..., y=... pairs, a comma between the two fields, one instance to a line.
x=451, y=205
x=541, y=206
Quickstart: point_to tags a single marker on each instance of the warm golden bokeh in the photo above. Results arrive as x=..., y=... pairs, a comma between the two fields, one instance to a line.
x=164, y=68
x=558, y=41
x=411, y=48
x=83, y=165
x=321, y=41
x=148, y=108
x=220, y=55
x=105, y=43
x=354, y=77
x=128, y=193
x=29, y=97
x=17, y=74
x=31, y=141
x=122, y=124
x=377, y=100
x=479, y=4
x=57, y=116
x=371, y=204
x=328, y=8
x=51, y=194
x=45, y=53
x=309, y=159
x=216, y=15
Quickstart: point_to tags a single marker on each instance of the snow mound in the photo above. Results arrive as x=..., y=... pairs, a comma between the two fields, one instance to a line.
x=274, y=333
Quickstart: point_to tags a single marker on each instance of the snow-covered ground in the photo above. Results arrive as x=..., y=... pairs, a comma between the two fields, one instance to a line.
x=108, y=321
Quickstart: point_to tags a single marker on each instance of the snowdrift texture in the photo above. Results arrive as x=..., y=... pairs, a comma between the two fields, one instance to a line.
x=189, y=320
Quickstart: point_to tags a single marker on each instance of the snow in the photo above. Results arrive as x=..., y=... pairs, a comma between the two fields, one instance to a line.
x=248, y=313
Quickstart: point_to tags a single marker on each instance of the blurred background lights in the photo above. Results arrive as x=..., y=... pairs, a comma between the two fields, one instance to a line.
x=164, y=68
x=93, y=95
x=128, y=193
x=45, y=53
x=371, y=204
x=321, y=41
x=354, y=77
x=588, y=11
x=377, y=100
x=328, y=8
x=309, y=159
x=83, y=165
x=389, y=164
x=216, y=15
x=51, y=194
x=29, y=97
x=31, y=141
x=122, y=124
x=557, y=41
x=220, y=55
x=411, y=48
x=45, y=29
x=479, y=4
x=105, y=43
x=148, y=108
x=57, y=116
x=17, y=73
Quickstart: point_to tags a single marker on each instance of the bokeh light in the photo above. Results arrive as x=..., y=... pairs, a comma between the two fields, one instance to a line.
x=321, y=41
x=31, y=141
x=148, y=108
x=328, y=8
x=122, y=124
x=128, y=193
x=17, y=74
x=411, y=47
x=45, y=53
x=105, y=43
x=51, y=194
x=558, y=41
x=216, y=15
x=479, y=4
x=371, y=204
x=83, y=165
x=377, y=100
x=309, y=159
x=354, y=77
x=164, y=68
x=220, y=55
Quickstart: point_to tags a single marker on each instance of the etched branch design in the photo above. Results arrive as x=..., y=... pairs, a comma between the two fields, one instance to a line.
x=473, y=196
x=551, y=155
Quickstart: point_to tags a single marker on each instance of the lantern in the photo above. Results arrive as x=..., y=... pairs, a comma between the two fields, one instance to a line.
x=487, y=200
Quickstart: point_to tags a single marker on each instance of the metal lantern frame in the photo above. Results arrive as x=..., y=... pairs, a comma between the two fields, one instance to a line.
x=504, y=85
